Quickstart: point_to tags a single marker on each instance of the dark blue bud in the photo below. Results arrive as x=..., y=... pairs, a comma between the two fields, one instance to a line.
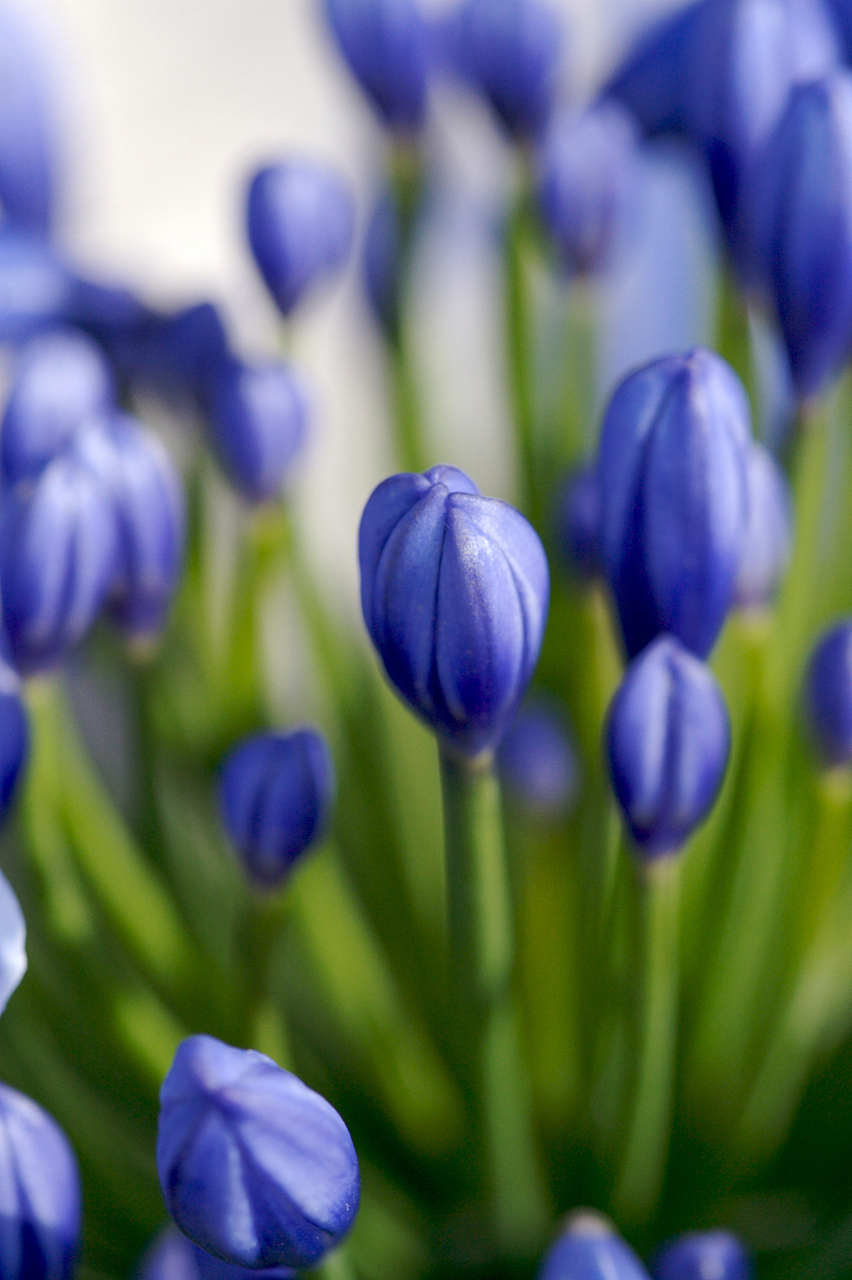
x=652, y=80
x=586, y=184
x=258, y=421
x=672, y=470
x=578, y=522
x=702, y=1255
x=255, y=1167
x=769, y=531
x=174, y=355
x=537, y=761
x=589, y=1249
x=150, y=519
x=173, y=1257
x=454, y=592
x=61, y=382
x=57, y=561
x=275, y=796
x=510, y=51
x=828, y=695
x=13, y=931
x=39, y=1193
x=36, y=289
x=14, y=749
x=668, y=738
x=28, y=142
x=300, y=218
x=385, y=45
x=382, y=249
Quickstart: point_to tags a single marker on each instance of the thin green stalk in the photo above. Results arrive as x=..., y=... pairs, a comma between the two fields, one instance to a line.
x=520, y=354
x=407, y=190
x=264, y=1021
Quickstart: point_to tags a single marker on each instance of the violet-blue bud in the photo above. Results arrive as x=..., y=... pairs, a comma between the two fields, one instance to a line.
x=586, y=182
x=255, y=1167
x=300, y=218
x=173, y=1257
x=578, y=522
x=700, y=1255
x=385, y=45
x=589, y=1249
x=36, y=289
x=28, y=136
x=652, y=79
x=382, y=249
x=672, y=471
x=258, y=420
x=769, y=531
x=39, y=1193
x=13, y=931
x=175, y=355
x=62, y=381
x=828, y=695
x=454, y=592
x=14, y=749
x=537, y=761
x=275, y=796
x=668, y=740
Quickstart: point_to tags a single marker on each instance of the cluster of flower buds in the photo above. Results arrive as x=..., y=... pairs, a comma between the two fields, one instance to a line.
x=590, y=1247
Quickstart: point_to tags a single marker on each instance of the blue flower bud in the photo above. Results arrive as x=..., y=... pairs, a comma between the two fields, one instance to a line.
x=13, y=931
x=510, y=51
x=384, y=43
x=300, y=218
x=61, y=382
x=275, y=797
x=174, y=355
x=828, y=695
x=57, y=561
x=578, y=522
x=769, y=531
x=36, y=289
x=28, y=159
x=381, y=263
x=255, y=1167
x=652, y=80
x=173, y=1257
x=589, y=1249
x=585, y=184
x=14, y=749
x=258, y=420
x=537, y=762
x=150, y=519
x=672, y=470
x=39, y=1193
x=454, y=592
x=668, y=738
x=702, y=1254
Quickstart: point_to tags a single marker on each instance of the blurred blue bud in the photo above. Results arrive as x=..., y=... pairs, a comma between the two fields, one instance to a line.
x=255, y=1167
x=13, y=930
x=769, y=531
x=668, y=739
x=57, y=561
x=275, y=797
x=586, y=184
x=578, y=522
x=537, y=762
x=672, y=471
x=590, y=1249
x=173, y=1257
x=828, y=695
x=300, y=218
x=382, y=248
x=175, y=355
x=652, y=80
x=258, y=422
x=701, y=1255
x=150, y=519
x=28, y=134
x=14, y=749
x=510, y=51
x=39, y=1193
x=61, y=382
x=454, y=592
x=385, y=45
x=36, y=289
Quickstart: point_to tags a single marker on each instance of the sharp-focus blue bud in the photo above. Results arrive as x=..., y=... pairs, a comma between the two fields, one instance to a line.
x=589, y=1249
x=61, y=382
x=275, y=797
x=668, y=739
x=578, y=522
x=300, y=218
x=385, y=45
x=258, y=422
x=672, y=471
x=150, y=519
x=381, y=263
x=511, y=51
x=57, y=561
x=537, y=762
x=804, y=229
x=702, y=1255
x=828, y=695
x=255, y=1167
x=769, y=532
x=454, y=592
x=13, y=931
x=39, y=1193
x=28, y=143
x=173, y=1257
x=586, y=183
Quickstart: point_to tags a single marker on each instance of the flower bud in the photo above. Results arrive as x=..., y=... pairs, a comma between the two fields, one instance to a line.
x=255, y=1167
x=384, y=43
x=275, y=797
x=36, y=289
x=586, y=180
x=174, y=355
x=13, y=930
x=28, y=141
x=173, y=1257
x=258, y=420
x=578, y=523
x=300, y=219
x=828, y=695
x=668, y=739
x=454, y=592
x=769, y=531
x=590, y=1249
x=701, y=1254
x=14, y=741
x=672, y=471
x=62, y=380
x=537, y=762
x=40, y=1207
x=652, y=80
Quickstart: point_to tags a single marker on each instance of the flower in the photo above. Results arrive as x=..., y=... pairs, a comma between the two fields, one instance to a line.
x=28, y=136
x=769, y=532
x=828, y=694
x=173, y=1257
x=258, y=418
x=590, y=1249
x=578, y=521
x=13, y=930
x=384, y=43
x=700, y=1254
x=537, y=763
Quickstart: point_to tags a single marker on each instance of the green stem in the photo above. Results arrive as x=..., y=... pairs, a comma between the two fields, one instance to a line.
x=407, y=186
x=408, y=426
x=338, y=1265
x=519, y=354
x=261, y=931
